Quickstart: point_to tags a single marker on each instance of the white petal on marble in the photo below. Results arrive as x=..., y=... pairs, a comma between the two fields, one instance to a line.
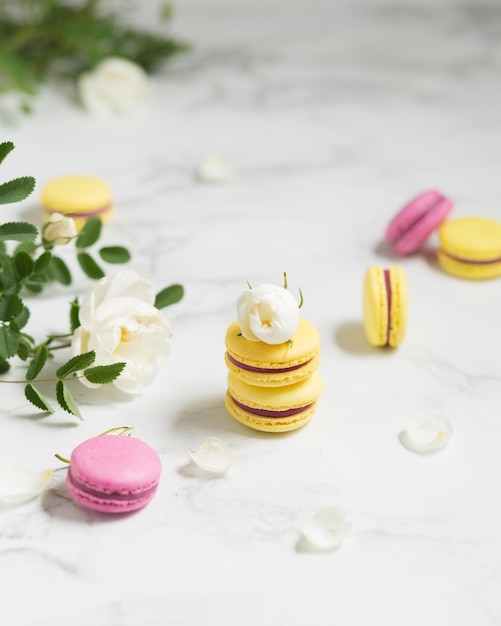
x=327, y=529
x=18, y=484
x=213, y=456
x=214, y=169
x=428, y=435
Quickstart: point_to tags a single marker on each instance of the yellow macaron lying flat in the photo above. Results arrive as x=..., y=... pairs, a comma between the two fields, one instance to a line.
x=267, y=365
x=79, y=197
x=274, y=409
x=470, y=247
x=385, y=305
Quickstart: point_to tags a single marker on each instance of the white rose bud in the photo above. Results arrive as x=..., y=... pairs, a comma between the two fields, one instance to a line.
x=114, y=86
x=60, y=230
x=121, y=324
x=268, y=313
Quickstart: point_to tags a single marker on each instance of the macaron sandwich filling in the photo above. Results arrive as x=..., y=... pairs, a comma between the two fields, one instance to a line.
x=387, y=285
x=471, y=261
x=264, y=370
x=115, y=495
x=270, y=412
x=80, y=214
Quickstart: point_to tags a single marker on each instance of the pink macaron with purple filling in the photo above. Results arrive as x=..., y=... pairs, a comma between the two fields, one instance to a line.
x=113, y=474
x=415, y=221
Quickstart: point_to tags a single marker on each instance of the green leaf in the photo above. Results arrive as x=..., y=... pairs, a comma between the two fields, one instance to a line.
x=169, y=295
x=90, y=233
x=33, y=287
x=74, y=315
x=76, y=363
x=43, y=261
x=114, y=254
x=66, y=400
x=10, y=307
x=17, y=189
x=37, y=363
x=22, y=318
x=5, y=148
x=23, y=264
x=9, y=341
x=58, y=271
x=4, y=366
x=104, y=374
x=36, y=398
x=89, y=266
x=17, y=231
x=8, y=278
x=3, y=248
x=23, y=349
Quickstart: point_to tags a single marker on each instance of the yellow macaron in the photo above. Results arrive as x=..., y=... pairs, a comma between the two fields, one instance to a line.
x=272, y=365
x=385, y=305
x=274, y=409
x=470, y=247
x=79, y=197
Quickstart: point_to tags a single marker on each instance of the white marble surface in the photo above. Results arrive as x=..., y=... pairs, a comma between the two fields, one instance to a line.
x=334, y=114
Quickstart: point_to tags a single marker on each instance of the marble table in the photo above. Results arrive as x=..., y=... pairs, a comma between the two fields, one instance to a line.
x=333, y=114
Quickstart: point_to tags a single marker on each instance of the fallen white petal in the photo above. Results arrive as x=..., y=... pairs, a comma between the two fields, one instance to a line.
x=18, y=484
x=213, y=456
x=327, y=529
x=428, y=435
x=214, y=169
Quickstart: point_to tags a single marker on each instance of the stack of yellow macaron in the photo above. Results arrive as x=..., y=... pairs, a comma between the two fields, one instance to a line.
x=272, y=387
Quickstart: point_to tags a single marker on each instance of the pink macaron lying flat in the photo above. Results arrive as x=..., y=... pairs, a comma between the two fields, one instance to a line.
x=415, y=222
x=113, y=473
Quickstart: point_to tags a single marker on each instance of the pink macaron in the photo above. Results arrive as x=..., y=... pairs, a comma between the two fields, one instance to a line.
x=113, y=473
x=415, y=221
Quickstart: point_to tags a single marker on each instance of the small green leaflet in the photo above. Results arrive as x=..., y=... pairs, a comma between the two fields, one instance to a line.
x=58, y=270
x=104, y=374
x=74, y=315
x=114, y=254
x=35, y=397
x=5, y=148
x=17, y=231
x=90, y=233
x=9, y=341
x=66, y=400
x=76, y=363
x=23, y=264
x=89, y=266
x=169, y=295
x=17, y=189
x=10, y=307
x=37, y=363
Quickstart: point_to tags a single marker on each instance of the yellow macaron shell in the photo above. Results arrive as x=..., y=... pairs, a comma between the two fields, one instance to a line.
x=383, y=327
x=470, y=247
x=80, y=197
x=303, y=350
x=302, y=394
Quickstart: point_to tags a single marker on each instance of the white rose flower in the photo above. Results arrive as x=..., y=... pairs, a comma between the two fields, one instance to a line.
x=268, y=313
x=115, y=86
x=60, y=230
x=121, y=324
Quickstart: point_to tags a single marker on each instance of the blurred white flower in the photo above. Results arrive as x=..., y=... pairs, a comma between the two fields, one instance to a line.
x=114, y=86
x=18, y=484
x=213, y=456
x=121, y=324
x=214, y=169
x=428, y=435
x=60, y=230
x=268, y=313
x=327, y=529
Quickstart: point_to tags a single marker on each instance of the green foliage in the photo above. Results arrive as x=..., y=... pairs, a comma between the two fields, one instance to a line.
x=104, y=374
x=43, y=39
x=114, y=254
x=169, y=295
x=90, y=233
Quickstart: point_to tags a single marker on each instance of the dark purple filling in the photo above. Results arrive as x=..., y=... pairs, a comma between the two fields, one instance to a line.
x=79, y=213
x=431, y=207
x=387, y=285
x=265, y=370
x=471, y=261
x=104, y=495
x=267, y=413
